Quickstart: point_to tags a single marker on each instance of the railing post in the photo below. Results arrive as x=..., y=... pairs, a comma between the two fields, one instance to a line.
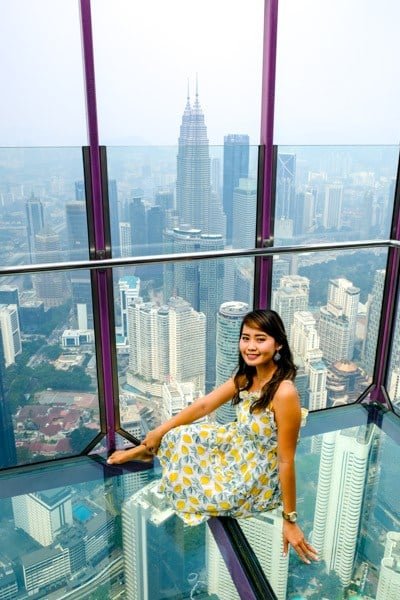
x=264, y=265
x=103, y=279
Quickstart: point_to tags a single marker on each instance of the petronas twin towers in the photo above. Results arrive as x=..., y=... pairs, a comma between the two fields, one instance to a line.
x=197, y=206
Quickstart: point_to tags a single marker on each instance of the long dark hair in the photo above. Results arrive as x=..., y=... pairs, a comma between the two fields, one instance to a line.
x=270, y=323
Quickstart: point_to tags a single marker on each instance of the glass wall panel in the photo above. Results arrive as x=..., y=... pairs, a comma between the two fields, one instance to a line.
x=177, y=330
x=48, y=378
x=42, y=206
x=327, y=194
x=330, y=303
x=106, y=538
x=190, y=198
x=348, y=509
x=42, y=95
x=393, y=380
x=335, y=65
x=188, y=49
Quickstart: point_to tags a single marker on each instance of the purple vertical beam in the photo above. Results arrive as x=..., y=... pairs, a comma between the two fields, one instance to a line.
x=388, y=304
x=267, y=136
x=232, y=562
x=98, y=224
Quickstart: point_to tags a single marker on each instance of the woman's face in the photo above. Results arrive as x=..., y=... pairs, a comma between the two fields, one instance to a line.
x=257, y=347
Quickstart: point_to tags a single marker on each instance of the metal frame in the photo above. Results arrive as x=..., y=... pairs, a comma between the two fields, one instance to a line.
x=263, y=270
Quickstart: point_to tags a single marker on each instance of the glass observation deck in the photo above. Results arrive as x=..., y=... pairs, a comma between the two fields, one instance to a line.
x=84, y=529
x=125, y=271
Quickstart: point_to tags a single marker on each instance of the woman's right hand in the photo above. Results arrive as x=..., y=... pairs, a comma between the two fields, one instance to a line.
x=152, y=440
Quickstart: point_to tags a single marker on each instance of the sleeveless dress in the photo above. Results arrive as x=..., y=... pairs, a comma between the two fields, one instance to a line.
x=230, y=470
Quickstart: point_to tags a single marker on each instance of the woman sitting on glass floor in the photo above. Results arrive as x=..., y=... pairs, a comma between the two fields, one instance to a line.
x=246, y=466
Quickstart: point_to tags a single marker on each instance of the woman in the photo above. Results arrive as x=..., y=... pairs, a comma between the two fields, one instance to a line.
x=247, y=466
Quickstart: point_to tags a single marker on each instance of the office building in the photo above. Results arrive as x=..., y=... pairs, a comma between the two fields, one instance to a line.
x=200, y=283
x=50, y=287
x=305, y=345
x=341, y=482
x=229, y=320
x=343, y=294
x=43, y=514
x=45, y=567
x=236, y=167
x=10, y=333
x=8, y=453
x=114, y=212
x=187, y=343
x=290, y=297
x=35, y=222
x=389, y=574
x=77, y=231
x=129, y=288
x=152, y=536
x=125, y=238
x=374, y=306
x=334, y=333
x=332, y=208
x=244, y=213
x=285, y=186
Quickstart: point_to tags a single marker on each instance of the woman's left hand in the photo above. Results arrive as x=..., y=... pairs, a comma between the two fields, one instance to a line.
x=293, y=535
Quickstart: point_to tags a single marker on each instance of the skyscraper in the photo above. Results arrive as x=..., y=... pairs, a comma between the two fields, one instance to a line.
x=389, y=574
x=137, y=221
x=285, y=186
x=10, y=333
x=193, y=182
x=8, y=455
x=35, y=222
x=236, y=166
x=50, y=287
x=43, y=514
x=229, y=320
x=166, y=341
x=244, y=212
x=332, y=209
x=341, y=482
x=198, y=282
x=341, y=292
x=114, y=217
x=290, y=297
x=129, y=288
x=77, y=231
x=125, y=238
x=153, y=538
x=373, y=319
x=304, y=342
x=338, y=320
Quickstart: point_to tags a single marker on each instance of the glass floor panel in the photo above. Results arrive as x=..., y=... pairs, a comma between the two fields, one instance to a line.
x=80, y=529
x=348, y=503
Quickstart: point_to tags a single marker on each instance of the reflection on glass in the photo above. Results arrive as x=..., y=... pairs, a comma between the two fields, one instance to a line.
x=48, y=379
x=332, y=194
x=331, y=304
x=177, y=334
x=42, y=206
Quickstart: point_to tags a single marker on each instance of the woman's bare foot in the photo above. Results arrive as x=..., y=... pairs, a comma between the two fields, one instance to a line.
x=137, y=453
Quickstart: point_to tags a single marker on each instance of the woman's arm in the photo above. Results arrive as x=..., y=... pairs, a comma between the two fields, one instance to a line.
x=288, y=417
x=200, y=408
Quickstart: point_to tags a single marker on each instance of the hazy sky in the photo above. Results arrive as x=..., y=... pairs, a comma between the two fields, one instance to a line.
x=337, y=74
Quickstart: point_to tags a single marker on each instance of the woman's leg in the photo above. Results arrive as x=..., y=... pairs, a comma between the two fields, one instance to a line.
x=137, y=453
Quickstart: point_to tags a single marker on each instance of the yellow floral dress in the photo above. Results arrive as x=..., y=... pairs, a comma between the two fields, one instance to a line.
x=225, y=470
